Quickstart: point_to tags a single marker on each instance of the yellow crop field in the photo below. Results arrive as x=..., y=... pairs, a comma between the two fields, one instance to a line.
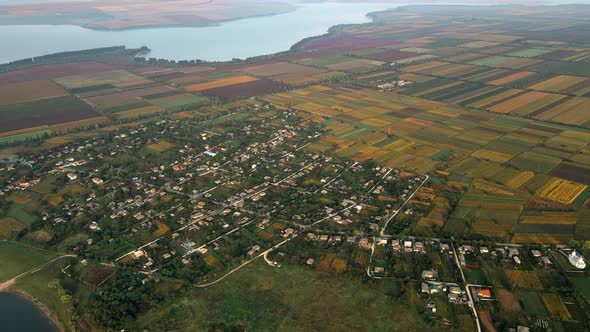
x=556, y=218
x=520, y=179
x=210, y=260
x=10, y=227
x=534, y=106
x=491, y=155
x=65, y=127
x=490, y=228
x=518, y=102
x=524, y=279
x=555, y=306
x=486, y=101
x=578, y=102
x=426, y=222
x=161, y=146
x=490, y=187
x=558, y=83
x=574, y=116
x=220, y=83
x=541, y=238
x=562, y=191
x=162, y=229
x=511, y=78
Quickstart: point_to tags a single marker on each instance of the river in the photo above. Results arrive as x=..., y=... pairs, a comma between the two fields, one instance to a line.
x=233, y=39
x=18, y=314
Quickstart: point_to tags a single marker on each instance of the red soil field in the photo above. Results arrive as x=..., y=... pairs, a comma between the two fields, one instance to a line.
x=346, y=42
x=45, y=72
x=391, y=55
x=243, y=90
x=43, y=112
x=572, y=172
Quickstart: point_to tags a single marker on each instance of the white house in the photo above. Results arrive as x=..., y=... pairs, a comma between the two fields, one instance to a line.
x=577, y=260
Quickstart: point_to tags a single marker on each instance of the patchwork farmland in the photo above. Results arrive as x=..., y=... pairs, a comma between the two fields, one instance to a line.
x=502, y=117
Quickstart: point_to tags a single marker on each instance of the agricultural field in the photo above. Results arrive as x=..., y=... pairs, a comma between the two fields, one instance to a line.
x=30, y=90
x=44, y=112
x=472, y=131
x=555, y=306
x=96, y=79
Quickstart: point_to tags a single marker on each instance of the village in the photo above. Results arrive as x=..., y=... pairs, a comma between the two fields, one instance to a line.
x=169, y=203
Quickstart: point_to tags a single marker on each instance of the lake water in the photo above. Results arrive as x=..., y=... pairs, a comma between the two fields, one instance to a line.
x=234, y=39
x=18, y=314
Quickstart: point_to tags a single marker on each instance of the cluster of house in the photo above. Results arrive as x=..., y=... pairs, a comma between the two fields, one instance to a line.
x=407, y=246
x=431, y=286
x=390, y=85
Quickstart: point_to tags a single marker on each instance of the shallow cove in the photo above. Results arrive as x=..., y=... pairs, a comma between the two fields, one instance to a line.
x=233, y=39
x=17, y=313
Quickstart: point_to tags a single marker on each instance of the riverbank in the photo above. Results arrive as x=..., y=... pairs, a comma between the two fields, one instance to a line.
x=48, y=314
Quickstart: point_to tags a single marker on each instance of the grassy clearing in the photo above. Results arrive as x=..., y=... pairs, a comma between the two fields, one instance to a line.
x=10, y=227
x=37, y=285
x=260, y=298
x=16, y=259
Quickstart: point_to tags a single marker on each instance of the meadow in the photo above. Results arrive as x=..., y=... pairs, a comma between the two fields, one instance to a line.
x=290, y=293
x=18, y=258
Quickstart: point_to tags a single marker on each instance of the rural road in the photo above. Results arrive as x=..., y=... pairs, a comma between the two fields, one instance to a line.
x=471, y=303
x=6, y=285
x=382, y=233
x=243, y=264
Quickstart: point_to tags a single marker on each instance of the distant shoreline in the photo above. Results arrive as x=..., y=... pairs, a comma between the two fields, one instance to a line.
x=49, y=315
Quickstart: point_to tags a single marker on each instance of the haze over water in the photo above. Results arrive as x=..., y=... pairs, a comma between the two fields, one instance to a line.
x=235, y=39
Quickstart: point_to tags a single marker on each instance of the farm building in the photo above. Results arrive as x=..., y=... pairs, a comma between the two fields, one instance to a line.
x=577, y=260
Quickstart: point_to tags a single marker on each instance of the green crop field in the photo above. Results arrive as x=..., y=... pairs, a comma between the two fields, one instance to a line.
x=532, y=303
x=25, y=136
